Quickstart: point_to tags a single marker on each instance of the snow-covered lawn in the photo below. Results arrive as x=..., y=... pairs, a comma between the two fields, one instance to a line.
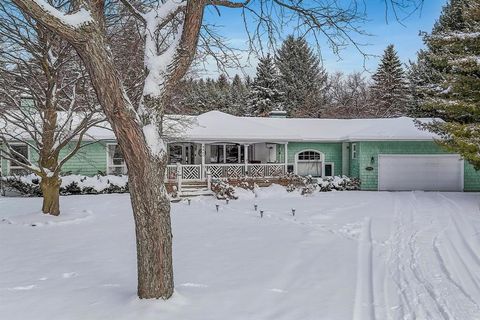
x=345, y=255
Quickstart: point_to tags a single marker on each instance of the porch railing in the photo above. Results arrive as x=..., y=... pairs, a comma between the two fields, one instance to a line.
x=188, y=171
x=233, y=170
x=226, y=170
x=268, y=170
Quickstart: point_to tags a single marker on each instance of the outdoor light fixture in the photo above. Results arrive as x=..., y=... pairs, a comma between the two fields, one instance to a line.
x=372, y=160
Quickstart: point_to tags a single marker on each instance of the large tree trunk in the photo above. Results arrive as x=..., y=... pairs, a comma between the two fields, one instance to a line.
x=151, y=207
x=150, y=203
x=51, y=195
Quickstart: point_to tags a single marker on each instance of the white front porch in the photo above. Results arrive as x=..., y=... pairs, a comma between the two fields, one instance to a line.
x=226, y=160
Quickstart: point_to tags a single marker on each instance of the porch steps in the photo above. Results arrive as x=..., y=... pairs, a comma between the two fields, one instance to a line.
x=195, y=189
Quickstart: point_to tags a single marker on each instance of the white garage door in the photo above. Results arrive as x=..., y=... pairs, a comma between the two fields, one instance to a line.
x=420, y=172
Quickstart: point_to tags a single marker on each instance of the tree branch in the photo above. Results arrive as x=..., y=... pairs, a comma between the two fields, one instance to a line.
x=52, y=18
x=229, y=4
x=134, y=11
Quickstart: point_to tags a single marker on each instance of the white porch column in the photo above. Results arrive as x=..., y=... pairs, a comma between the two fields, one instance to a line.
x=202, y=169
x=179, y=177
x=286, y=157
x=245, y=148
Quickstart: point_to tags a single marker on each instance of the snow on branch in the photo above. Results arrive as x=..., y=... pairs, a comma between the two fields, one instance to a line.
x=228, y=4
x=75, y=19
x=158, y=57
x=456, y=36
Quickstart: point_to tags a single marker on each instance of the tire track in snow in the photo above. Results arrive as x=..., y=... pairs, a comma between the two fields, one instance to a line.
x=443, y=267
x=422, y=279
x=364, y=308
x=431, y=287
x=415, y=290
x=465, y=255
x=394, y=269
x=460, y=232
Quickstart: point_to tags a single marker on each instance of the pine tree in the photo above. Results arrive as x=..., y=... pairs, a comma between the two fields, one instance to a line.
x=222, y=94
x=453, y=51
x=238, y=96
x=302, y=79
x=389, y=87
x=264, y=94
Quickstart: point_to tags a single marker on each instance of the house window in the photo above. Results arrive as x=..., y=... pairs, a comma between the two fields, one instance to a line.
x=309, y=155
x=226, y=153
x=216, y=153
x=176, y=153
x=15, y=168
x=354, y=151
x=116, y=162
x=329, y=169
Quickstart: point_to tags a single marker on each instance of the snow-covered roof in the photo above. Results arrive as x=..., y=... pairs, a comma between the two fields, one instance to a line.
x=219, y=126
x=216, y=126
x=67, y=123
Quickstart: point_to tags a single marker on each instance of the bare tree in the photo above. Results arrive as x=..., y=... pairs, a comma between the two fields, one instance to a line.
x=349, y=96
x=46, y=103
x=171, y=38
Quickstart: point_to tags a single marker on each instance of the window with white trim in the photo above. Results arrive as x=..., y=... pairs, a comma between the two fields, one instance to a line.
x=354, y=151
x=329, y=169
x=116, y=162
x=309, y=155
x=20, y=154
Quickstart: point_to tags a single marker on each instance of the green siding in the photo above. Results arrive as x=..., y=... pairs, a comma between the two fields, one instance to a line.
x=332, y=152
x=367, y=150
x=89, y=160
x=354, y=163
x=471, y=178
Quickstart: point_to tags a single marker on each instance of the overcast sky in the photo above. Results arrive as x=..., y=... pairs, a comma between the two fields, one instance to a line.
x=405, y=37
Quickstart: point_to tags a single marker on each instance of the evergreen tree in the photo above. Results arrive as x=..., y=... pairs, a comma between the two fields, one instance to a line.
x=221, y=94
x=389, y=87
x=452, y=54
x=264, y=94
x=302, y=80
x=222, y=82
x=238, y=95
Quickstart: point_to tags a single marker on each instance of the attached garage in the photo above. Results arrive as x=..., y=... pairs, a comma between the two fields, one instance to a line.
x=420, y=172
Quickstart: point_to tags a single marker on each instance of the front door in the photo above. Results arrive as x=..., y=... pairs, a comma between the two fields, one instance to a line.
x=309, y=163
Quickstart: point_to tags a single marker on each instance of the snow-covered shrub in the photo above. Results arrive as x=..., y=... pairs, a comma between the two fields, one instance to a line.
x=223, y=190
x=23, y=185
x=291, y=181
x=29, y=185
x=246, y=183
x=308, y=184
x=343, y=183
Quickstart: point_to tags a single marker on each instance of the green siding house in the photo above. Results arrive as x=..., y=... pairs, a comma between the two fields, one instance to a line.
x=385, y=154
